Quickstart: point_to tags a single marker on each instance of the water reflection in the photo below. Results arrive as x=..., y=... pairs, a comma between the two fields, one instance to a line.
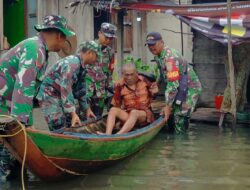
x=205, y=158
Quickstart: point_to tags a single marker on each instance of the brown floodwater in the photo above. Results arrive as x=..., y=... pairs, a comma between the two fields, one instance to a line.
x=203, y=159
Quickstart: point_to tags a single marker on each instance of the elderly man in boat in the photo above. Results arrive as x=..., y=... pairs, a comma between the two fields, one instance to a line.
x=131, y=101
x=62, y=93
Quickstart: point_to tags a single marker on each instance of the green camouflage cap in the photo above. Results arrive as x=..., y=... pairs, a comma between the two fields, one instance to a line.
x=57, y=22
x=108, y=30
x=91, y=45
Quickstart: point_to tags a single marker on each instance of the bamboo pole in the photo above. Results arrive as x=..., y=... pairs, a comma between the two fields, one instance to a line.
x=120, y=42
x=231, y=65
x=1, y=25
x=181, y=25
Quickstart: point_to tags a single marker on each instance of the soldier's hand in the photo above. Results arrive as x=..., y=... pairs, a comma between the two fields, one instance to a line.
x=90, y=113
x=75, y=120
x=166, y=111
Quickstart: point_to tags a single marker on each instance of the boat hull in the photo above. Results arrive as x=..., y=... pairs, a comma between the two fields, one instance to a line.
x=56, y=156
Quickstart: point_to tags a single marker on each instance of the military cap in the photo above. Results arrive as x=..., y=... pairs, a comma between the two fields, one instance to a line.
x=108, y=30
x=152, y=38
x=91, y=45
x=57, y=22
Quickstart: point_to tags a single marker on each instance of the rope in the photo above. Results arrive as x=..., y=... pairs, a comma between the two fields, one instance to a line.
x=25, y=144
x=25, y=151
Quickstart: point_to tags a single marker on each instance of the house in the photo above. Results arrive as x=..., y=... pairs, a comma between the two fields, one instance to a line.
x=135, y=25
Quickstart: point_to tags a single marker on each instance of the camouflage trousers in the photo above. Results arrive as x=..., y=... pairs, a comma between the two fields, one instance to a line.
x=8, y=164
x=180, y=117
x=54, y=113
x=4, y=108
x=4, y=160
x=56, y=117
x=10, y=168
x=5, y=157
x=97, y=106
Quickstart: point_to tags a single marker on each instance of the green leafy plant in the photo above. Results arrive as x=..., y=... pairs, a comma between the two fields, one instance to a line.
x=150, y=69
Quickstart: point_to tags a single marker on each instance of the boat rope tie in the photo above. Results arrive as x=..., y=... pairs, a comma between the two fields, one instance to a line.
x=64, y=169
x=2, y=128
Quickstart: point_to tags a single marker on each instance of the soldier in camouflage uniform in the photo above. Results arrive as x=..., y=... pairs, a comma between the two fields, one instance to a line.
x=63, y=89
x=99, y=76
x=183, y=86
x=22, y=69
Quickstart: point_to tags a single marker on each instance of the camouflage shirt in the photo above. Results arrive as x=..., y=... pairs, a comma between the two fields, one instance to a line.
x=62, y=81
x=95, y=84
x=172, y=65
x=106, y=59
x=22, y=69
x=99, y=76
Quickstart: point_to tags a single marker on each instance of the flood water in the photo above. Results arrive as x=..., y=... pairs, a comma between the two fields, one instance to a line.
x=203, y=159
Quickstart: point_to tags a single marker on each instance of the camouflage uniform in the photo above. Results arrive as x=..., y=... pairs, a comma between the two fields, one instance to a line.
x=63, y=90
x=105, y=61
x=22, y=69
x=55, y=95
x=173, y=65
x=95, y=82
x=106, y=55
x=99, y=76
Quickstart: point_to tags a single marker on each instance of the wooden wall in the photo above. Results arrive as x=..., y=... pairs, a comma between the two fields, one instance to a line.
x=166, y=24
x=81, y=20
x=209, y=58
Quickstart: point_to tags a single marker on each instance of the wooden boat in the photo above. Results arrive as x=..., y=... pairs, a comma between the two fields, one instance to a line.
x=53, y=156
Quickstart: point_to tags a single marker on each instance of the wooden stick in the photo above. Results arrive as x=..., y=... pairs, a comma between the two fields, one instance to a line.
x=231, y=65
x=222, y=115
x=120, y=41
x=1, y=25
x=181, y=27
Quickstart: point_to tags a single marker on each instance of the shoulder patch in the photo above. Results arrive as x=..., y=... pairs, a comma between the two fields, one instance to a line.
x=173, y=73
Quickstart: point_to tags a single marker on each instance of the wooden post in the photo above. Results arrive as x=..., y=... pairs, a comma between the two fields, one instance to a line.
x=40, y=10
x=181, y=25
x=120, y=35
x=1, y=25
x=231, y=65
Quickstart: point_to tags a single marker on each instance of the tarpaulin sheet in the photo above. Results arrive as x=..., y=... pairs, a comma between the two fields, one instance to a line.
x=210, y=18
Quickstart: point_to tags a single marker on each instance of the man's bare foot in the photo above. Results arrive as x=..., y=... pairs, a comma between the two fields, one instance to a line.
x=100, y=133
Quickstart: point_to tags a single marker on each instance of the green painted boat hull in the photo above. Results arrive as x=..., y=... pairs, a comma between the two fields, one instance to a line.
x=53, y=156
